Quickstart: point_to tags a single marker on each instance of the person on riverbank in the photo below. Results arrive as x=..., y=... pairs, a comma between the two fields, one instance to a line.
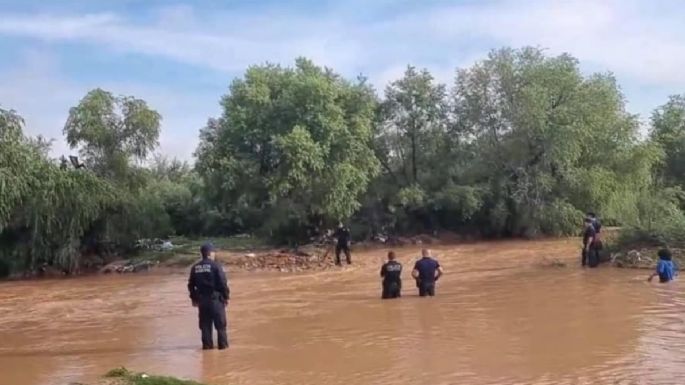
x=590, y=256
x=209, y=292
x=597, y=225
x=595, y=222
x=391, y=272
x=426, y=272
x=342, y=236
x=665, y=268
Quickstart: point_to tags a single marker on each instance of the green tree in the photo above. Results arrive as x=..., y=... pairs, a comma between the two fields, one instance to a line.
x=668, y=130
x=545, y=137
x=292, y=148
x=112, y=131
x=44, y=210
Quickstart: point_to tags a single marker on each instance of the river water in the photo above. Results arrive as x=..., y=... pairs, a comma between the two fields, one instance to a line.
x=502, y=315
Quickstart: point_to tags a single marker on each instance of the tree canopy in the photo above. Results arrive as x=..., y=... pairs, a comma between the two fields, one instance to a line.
x=292, y=148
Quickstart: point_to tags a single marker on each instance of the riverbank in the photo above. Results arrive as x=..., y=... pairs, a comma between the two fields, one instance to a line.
x=238, y=253
x=249, y=254
x=644, y=258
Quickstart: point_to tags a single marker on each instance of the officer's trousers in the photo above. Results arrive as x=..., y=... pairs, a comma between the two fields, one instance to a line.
x=590, y=257
x=391, y=290
x=426, y=288
x=346, y=250
x=212, y=313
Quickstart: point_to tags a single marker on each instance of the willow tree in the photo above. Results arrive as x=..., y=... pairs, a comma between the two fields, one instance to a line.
x=549, y=141
x=44, y=209
x=292, y=148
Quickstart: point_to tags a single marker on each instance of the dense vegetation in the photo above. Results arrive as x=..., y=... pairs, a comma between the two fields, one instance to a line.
x=521, y=144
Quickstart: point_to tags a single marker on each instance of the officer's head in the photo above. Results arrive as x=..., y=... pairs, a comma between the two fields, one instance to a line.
x=587, y=221
x=591, y=215
x=340, y=225
x=207, y=250
x=665, y=254
x=425, y=253
x=391, y=255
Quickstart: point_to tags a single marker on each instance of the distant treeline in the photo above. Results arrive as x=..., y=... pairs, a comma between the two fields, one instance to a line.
x=520, y=144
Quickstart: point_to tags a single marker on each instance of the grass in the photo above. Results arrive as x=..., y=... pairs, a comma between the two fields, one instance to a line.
x=125, y=377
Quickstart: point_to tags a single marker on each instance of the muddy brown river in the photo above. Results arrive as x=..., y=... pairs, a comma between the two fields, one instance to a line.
x=501, y=316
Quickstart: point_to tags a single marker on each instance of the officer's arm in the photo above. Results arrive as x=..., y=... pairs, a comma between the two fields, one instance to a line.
x=191, y=284
x=225, y=291
x=383, y=271
x=438, y=273
x=415, y=272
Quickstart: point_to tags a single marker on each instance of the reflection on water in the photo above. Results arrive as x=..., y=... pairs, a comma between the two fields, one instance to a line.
x=499, y=318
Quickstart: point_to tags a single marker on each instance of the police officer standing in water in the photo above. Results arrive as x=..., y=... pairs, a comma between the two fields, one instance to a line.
x=209, y=292
x=590, y=255
x=391, y=272
x=342, y=235
x=426, y=272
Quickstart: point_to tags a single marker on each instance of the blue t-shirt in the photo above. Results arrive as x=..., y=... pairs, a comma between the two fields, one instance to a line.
x=666, y=270
x=426, y=267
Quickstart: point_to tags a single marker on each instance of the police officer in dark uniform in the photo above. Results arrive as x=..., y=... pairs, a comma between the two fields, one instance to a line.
x=391, y=273
x=426, y=272
x=597, y=246
x=342, y=234
x=209, y=292
x=590, y=254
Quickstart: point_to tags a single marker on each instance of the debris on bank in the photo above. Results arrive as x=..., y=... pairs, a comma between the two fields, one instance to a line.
x=422, y=239
x=318, y=255
x=644, y=258
x=281, y=260
x=127, y=266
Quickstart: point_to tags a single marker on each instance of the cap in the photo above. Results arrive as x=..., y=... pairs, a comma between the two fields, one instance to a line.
x=206, y=249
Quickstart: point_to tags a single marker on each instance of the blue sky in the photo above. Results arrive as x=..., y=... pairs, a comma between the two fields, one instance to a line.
x=181, y=56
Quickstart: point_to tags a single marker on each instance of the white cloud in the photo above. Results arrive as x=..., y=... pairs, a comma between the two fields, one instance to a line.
x=642, y=42
x=617, y=35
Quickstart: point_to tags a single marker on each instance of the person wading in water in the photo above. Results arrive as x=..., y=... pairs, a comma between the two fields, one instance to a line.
x=426, y=272
x=342, y=235
x=209, y=292
x=391, y=272
x=590, y=256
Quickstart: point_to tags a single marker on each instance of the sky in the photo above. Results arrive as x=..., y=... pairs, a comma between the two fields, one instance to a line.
x=180, y=56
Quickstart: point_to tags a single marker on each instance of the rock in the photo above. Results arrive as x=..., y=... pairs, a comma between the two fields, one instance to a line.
x=250, y=255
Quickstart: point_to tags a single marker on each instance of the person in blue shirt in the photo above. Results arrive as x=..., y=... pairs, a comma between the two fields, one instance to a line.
x=665, y=268
x=426, y=272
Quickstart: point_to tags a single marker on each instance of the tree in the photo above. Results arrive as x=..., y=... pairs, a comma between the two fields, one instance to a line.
x=292, y=148
x=112, y=131
x=413, y=113
x=668, y=131
x=549, y=142
x=44, y=209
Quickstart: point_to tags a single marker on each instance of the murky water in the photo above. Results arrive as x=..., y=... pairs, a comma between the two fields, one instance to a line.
x=499, y=317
